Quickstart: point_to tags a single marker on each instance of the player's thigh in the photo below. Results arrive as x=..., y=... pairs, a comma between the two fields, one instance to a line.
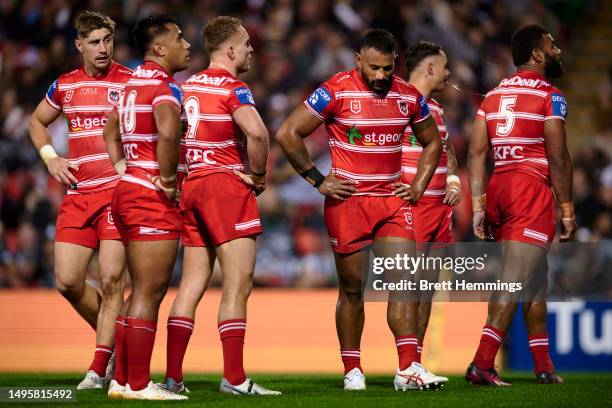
x=237, y=261
x=112, y=260
x=521, y=262
x=151, y=263
x=351, y=269
x=71, y=263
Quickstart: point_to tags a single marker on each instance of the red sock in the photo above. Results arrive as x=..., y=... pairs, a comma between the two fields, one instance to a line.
x=490, y=341
x=351, y=358
x=538, y=344
x=140, y=337
x=179, y=332
x=121, y=366
x=232, y=339
x=100, y=361
x=419, y=351
x=406, y=350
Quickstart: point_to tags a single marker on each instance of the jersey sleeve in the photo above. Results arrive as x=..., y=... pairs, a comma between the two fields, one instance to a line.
x=480, y=114
x=52, y=96
x=421, y=109
x=555, y=106
x=168, y=92
x=321, y=103
x=240, y=96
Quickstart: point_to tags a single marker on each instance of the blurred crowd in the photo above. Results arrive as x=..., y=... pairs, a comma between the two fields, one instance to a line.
x=298, y=45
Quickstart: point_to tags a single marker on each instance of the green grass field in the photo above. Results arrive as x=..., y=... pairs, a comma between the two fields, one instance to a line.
x=593, y=390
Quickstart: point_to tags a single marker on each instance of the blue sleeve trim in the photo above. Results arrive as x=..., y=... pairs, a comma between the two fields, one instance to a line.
x=319, y=99
x=244, y=95
x=559, y=106
x=176, y=91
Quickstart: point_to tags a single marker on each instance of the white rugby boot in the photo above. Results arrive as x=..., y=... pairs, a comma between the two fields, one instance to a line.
x=248, y=387
x=153, y=393
x=417, y=377
x=115, y=390
x=354, y=380
x=92, y=381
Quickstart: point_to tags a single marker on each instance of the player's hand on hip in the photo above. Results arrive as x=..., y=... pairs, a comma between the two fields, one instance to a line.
x=453, y=194
x=568, y=228
x=169, y=189
x=60, y=168
x=340, y=189
x=478, y=223
x=406, y=192
x=257, y=183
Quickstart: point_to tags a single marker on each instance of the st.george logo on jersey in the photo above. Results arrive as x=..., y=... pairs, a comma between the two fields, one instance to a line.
x=403, y=107
x=113, y=96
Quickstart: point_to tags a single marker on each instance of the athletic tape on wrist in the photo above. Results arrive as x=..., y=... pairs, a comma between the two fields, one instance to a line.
x=313, y=176
x=47, y=152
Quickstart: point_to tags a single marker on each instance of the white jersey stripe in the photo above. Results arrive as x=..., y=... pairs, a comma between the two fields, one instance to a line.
x=364, y=149
x=366, y=177
x=92, y=84
x=205, y=89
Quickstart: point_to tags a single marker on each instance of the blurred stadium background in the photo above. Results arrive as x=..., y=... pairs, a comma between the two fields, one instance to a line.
x=298, y=44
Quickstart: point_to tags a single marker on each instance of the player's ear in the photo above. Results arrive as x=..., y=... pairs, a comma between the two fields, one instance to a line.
x=538, y=55
x=430, y=68
x=358, y=59
x=231, y=52
x=78, y=45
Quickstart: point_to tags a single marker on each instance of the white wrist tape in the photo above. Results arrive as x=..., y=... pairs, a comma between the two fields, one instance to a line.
x=453, y=179
x=47, y=152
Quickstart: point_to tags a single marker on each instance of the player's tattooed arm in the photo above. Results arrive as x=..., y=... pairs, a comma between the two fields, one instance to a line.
x=561, y=176
x=300, y=124
x=428, y=136
x=112, y=138
x=477, y=168
x=59, y=167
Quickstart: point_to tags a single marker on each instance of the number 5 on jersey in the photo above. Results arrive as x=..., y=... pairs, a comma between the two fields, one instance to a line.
x=505, y=112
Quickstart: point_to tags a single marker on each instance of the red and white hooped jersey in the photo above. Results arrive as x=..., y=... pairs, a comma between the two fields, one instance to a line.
x=86, y=102
x=412, y=149
x=213, y=141
x=515, y=112
x=149, y=86
x=365, y=131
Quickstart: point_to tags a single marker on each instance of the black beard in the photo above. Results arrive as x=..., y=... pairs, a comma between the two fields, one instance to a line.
x=380, y=87
x=553, y=68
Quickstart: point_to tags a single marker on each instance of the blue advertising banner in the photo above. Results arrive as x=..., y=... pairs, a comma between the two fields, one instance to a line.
x=580, y=337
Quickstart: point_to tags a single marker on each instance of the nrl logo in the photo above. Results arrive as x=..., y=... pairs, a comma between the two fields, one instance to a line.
x=68, y=96
x=355, y=106
x=113, y=96
x=403, y=107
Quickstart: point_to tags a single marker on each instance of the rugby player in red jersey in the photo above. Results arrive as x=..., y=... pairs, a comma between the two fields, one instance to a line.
x=146, y=134
x=366, y=111
x=86, y=96
x=523, y=120
x=426, y=66
x=225, y=139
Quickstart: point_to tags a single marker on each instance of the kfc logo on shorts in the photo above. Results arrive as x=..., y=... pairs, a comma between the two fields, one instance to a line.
x=113, y=96
x=355, y=106
x=68, y=96
x=403, y=107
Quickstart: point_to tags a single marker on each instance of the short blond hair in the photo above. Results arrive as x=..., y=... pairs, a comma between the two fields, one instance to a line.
x=89, y=21
x=219, y=30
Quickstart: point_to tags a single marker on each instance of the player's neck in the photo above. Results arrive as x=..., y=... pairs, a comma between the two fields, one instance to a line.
x=422, y=86
x=532, y=67
x=159, y=61
x=215, y=64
